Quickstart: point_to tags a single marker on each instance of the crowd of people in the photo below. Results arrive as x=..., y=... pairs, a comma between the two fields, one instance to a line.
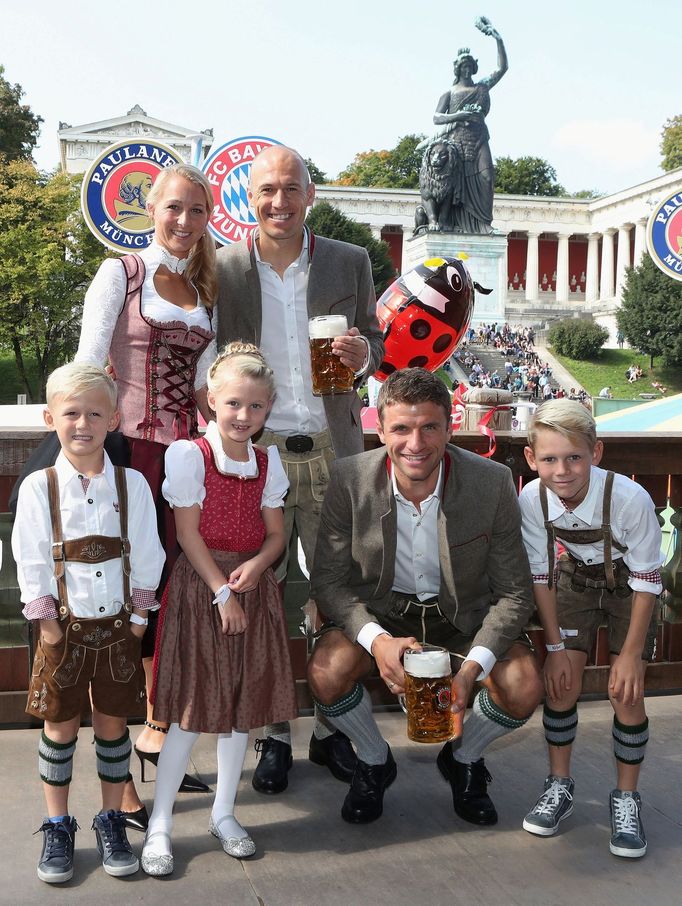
x=523, y=370
x=393, y=563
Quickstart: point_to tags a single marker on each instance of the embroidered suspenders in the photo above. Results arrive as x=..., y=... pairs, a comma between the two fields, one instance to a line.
x=584, y=536
x=89, y=548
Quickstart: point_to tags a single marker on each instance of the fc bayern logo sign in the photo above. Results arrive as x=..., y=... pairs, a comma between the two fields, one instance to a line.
x=228, y=169
x=664, y=236
x=114, y=192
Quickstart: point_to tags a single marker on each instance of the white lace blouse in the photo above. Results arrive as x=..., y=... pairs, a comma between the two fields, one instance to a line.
x=185, y=472
x=104, y=303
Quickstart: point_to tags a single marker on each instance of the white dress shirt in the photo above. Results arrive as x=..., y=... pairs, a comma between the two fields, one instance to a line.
x=284, y=343
x=185, y=472
x=104, y=303
x=633, y=523
x=417, y=563
x=94, y=590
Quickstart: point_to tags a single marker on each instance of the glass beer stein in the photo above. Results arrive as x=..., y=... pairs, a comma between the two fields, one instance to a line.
x=330, y=375
x=428, y=679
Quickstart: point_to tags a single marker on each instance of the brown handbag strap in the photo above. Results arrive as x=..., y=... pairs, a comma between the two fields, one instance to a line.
x=57, y=541
x=122, y=490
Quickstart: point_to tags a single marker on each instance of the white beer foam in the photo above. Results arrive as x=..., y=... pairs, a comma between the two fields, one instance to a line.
x=427, y=663
x=327, y=326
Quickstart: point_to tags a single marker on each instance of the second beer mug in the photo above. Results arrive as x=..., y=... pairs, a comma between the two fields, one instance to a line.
x=330, y=375
x=428, y=679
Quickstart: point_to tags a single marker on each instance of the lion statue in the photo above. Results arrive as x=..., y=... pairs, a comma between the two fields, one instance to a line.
x=439, y=179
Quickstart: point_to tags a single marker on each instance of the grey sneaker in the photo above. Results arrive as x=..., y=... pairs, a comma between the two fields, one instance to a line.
x=56, y=860
x=118, y=858
x=555, y=804
x=627, y=833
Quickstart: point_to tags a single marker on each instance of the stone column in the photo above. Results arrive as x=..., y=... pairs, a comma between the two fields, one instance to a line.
x=606, y=283
x=592, y=273
x=562, y=268
x=622, y=258
x=532, y=255
x=640, y=242
x=376, y=231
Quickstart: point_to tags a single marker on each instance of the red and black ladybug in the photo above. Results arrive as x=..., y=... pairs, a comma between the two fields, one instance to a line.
x=424, y=315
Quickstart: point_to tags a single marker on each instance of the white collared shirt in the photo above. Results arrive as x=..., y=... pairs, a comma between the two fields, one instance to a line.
x=284, y=343
x=104, y=303
x=185, y=471
x=417, y=563
x=94, y=590
x=633, y=524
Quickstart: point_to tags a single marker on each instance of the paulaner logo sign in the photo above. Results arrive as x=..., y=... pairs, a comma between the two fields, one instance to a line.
x=114, y=192
x=228, y=169
x=664, y=236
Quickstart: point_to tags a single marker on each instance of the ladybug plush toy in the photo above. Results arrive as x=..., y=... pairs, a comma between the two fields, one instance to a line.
x=424, y=315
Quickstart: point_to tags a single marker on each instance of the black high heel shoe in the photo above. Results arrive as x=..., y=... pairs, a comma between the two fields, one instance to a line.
x=189, y=783
x=139, y=819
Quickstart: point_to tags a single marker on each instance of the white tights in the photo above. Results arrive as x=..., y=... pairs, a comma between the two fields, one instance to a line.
x=231, y=751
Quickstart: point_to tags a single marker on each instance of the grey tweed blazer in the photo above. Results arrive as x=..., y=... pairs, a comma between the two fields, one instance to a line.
x=339, y=282
x=485, y=578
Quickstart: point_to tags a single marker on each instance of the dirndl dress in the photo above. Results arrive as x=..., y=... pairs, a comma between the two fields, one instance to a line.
x=207, y=681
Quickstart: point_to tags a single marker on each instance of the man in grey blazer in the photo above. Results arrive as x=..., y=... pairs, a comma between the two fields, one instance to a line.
x=269, y=286
x=421, y=542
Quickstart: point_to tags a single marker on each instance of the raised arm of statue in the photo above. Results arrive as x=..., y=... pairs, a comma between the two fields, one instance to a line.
x=485, y=25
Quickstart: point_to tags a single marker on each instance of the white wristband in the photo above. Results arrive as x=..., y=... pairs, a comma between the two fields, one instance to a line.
x=221, y=595
x=558, y=647
x=138, y=620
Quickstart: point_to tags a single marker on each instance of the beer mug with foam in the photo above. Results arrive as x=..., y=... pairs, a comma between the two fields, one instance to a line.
x=330, y=375
x=428, y=679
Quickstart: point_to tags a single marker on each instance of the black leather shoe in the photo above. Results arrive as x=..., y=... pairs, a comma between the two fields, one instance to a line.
x=469, y=787
x=271, y=774
x=336, y=753
x=365, y=799
x=137, y=820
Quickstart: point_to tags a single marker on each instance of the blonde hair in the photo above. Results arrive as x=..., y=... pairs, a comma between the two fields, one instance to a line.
x=244, y=360
x=567, y=417
x=201, y=268
x=80, y=377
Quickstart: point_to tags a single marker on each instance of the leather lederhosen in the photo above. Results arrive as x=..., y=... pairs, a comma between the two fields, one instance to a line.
x=584, y=536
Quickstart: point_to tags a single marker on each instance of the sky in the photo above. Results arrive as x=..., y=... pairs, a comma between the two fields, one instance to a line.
x=589, y=86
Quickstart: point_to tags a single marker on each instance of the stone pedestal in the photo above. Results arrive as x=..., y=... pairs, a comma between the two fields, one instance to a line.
x=486, y=262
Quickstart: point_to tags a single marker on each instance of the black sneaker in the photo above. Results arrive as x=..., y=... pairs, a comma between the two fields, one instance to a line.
x=627, y=832
x=118, y=858
x=56, y=860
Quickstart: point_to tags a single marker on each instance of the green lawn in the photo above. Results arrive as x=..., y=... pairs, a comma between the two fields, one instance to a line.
x=10, y=385
x=609, y=368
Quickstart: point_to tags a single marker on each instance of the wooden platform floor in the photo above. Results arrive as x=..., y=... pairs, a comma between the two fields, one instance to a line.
x=418, y=854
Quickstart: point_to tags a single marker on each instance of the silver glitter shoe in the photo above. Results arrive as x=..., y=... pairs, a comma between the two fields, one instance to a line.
x=238, y=847
x=156, y=864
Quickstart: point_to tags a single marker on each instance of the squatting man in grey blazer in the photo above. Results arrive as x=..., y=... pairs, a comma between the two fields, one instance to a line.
x=421, y=542
x=269, y=285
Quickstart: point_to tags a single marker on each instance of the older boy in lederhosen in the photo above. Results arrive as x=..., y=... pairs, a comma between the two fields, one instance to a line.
x=88, y=561
x=608, y=573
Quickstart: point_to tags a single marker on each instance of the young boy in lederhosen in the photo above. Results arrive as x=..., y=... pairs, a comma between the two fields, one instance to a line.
x=608, y=573
x=88, y=561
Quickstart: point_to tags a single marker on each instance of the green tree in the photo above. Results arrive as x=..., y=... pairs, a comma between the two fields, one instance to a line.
x=316, y=175
x=394, y=169
x=19, y=127
x=578, y=339
x=671, y=143
x=650, y=316
x=47, y=259
x=526, y=176
x=326, y=220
